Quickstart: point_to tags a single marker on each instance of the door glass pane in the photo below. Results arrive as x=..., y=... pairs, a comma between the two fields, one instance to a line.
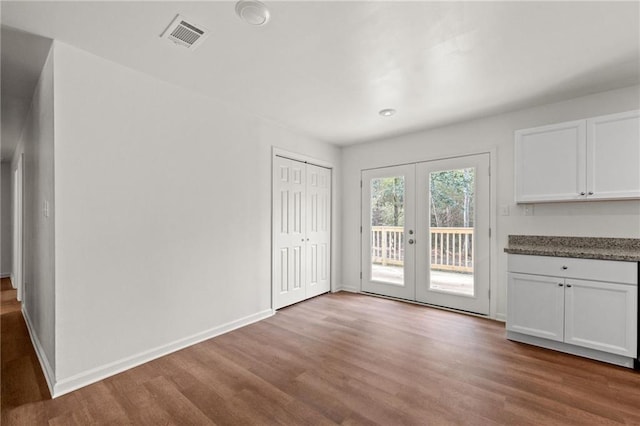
x=451, y=210
x=387, y=229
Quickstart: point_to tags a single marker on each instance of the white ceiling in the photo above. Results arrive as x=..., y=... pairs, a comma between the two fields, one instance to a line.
x=326, y=68
x=20, y=73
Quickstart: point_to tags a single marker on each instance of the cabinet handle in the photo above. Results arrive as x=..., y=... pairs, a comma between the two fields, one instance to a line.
x=582, y=193
x=590, y=192
x=560, y=284
x=565, y=267
x=568, y=285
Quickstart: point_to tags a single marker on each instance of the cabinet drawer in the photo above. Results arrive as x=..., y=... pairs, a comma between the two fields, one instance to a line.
x=586, y=269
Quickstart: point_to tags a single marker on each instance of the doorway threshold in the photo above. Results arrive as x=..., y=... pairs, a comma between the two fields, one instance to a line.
x=428, y=305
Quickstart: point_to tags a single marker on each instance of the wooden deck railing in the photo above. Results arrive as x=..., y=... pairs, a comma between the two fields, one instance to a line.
x=451, y=248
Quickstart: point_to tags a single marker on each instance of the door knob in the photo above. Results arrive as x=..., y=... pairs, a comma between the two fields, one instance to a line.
x=410, y=231
x=411, y=241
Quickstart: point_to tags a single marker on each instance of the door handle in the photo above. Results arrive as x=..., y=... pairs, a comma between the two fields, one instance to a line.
x=411, y=241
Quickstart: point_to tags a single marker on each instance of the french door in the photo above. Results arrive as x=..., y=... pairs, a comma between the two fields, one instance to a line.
x=388, y=232
x=425, y=232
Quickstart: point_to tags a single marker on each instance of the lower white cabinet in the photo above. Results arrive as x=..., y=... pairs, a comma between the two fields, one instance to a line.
x=535, y=306
x=599, y=315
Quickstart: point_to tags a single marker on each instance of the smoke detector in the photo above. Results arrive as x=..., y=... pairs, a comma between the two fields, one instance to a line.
x=252, y=12
x=185, y=33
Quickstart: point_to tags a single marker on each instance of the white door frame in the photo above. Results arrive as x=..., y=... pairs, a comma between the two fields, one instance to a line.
x=18, y=228
x=278, y=152
x=493, y=275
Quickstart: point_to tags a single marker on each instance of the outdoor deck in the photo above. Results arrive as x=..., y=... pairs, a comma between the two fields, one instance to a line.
x=451, y=257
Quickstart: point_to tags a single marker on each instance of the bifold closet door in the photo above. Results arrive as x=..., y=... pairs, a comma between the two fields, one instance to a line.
x=301, y=231
x=318, y=227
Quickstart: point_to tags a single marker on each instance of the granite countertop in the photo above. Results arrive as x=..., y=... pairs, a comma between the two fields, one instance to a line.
x=626, y=249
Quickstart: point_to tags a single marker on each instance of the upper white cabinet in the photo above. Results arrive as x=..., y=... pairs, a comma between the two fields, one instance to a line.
x=613, y=156
x=551, y=162
x=592, y=159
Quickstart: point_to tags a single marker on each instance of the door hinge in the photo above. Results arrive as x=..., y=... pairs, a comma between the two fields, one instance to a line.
x=489, y=293
x=489, y=232
x=489, y=170
x=360, y=274
x=360, y=184
x=361, y=229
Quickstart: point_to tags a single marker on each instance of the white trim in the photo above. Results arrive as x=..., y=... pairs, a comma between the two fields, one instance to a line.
x=347, y=288
x=49, y=374
x=300, y=157
x=493, y=241
x=96, y=374
x=428, y=305
x=501, y=317
x=5, y=275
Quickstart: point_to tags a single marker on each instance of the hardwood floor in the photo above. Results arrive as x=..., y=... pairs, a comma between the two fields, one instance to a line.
x=336, y=359
x=8, y=301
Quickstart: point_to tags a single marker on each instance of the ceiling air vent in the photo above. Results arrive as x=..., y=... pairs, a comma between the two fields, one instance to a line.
x=184, y=32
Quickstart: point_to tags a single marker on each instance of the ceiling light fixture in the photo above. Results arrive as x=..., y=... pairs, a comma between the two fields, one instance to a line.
x=252, y=12
x=387, y=112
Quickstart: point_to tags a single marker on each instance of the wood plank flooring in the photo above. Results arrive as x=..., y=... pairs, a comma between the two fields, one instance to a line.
x=337, y=359
x=8, y=294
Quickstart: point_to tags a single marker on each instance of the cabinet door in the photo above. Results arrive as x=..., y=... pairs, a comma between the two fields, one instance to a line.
x=613, y=155
x=535, y=305
x=550, y=163
x=601, y=316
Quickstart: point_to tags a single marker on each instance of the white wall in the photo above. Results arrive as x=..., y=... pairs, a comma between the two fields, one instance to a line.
x=36, y=144
x=6, y=229
x=163, y=228
x=598, y=219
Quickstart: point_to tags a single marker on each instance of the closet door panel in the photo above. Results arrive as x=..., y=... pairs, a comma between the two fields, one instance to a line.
x=289, y=205
x=318, y=229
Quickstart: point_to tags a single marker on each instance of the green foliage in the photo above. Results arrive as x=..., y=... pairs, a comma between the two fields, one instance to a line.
x=451, y=201
x=387, y=201
x=452, y=193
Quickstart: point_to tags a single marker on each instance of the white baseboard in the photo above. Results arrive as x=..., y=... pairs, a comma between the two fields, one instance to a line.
x=96, y=374
x=49, y=374
x=5, y=274
x=348, y=288
x=501, y=317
